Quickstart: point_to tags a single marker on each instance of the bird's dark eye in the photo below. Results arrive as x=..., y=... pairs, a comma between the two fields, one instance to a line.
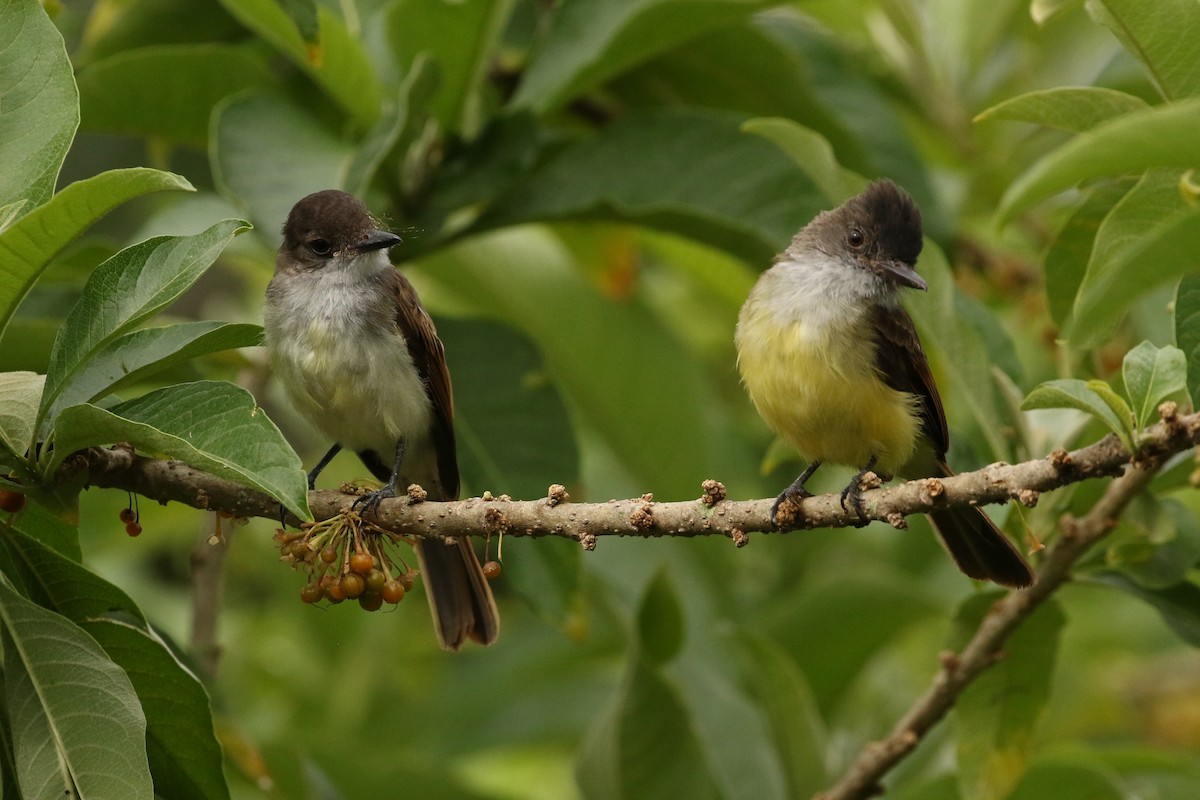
x=856, y=238
x=320, y=247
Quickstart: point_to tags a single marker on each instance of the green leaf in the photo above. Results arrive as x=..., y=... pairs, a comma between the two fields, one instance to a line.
x=125, y=290
x=62, y=584
x=77, y=725
x=1163, y=136
x=185, y=758
x=997, y=714
x=1161, y=35
x=29, y=245
x=1164, y=555
x=591, y=42
x=304, y=16
x=51, y=530
x=1062, y=780
x=812, y=153
x=694, y=173
x=1187, y=331
x=1044, y=10
x=20, y=393
x=138, y=354
x=211, y=425
x=660, y=621
x=1178, y=605
x=1106, y=406
x=1073, y=108
x=166, y=91
x=39, y=103
x=302, y=156
x=338, y=64
x=1152, y=374
x=1150, y=237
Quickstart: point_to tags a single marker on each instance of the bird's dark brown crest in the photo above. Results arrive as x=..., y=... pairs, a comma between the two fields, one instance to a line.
x=892, y=218
x=335, y=216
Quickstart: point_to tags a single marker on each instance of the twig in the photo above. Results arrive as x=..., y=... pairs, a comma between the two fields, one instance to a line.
x=208, y=583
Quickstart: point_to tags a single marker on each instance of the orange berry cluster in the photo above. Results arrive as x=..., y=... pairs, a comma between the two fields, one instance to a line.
x=130, y=518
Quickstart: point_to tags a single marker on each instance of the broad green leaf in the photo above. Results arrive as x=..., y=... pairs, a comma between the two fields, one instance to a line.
x=11, y=212
x=29, y=245
x=461, y=40
x=1043, y=11
x=125, y=290
x=1161, y=35
x=304, y=16
x=997, y=714
x=812, y=153
x=644, y=745
x=1165, y=554
x=77, y=724
x=167, y=91
x=1152, y=374
x=1163, y=136
x=1187, y=331
x=268, y=174
x=1149, y=238
x=141, y=353
x=20, y=393
x=8, y=767
x=660, y=621
x=338, y=63
x=1073, y=108
x=43, y=526
x=1061, y=780
x=693, y=173
x=1065, y=263
x=1178, y=605
x=591, y=42
x=1084, y=395
x=39, y=106
x=185, y=758
x=62, y=584
x=211, y=425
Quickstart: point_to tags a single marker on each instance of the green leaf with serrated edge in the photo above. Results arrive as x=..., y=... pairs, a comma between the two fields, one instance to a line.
x=211, y=425
x=1163, y=136
x=1151, y=375
x=997, y=714
x=62, y=584
x=1074, y=393
x=38, y=100
x=1161, y=35
x=1150, y=237
x=1066, y=261
x=812, y=153
x=137, y=92
x=1187, y=331
x=20, y=393
x=338, y=64
x=125, y=290
x=1074, y=109
x=184, y=756
x=303, y=156
x=29, y=245
x=77, y=724
x=1178, y=605
x=590, y=42
x=660, y=621
x=141, y=353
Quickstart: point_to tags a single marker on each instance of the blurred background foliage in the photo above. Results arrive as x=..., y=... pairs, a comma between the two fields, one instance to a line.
x=585, y=203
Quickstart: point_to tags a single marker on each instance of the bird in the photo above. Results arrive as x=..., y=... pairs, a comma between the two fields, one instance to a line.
x=834, y=366
x=361, y=360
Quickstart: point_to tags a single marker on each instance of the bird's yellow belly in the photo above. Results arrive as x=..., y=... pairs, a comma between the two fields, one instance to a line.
x=821, y=392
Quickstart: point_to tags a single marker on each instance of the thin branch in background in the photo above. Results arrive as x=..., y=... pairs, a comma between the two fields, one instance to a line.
x=207, y=585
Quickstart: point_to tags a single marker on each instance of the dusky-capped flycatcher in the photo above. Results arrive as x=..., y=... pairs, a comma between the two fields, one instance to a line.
x=362, y=362
x=833, y=364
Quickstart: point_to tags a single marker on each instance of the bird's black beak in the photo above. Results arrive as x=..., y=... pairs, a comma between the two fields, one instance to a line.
x=903, y=274
x=377, y=240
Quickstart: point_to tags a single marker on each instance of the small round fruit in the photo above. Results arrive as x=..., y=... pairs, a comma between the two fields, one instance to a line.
x=406, y=580
x=334, y=592
x=312, y=592
x=329, y=555
x=491, y=570
x=393, y=592
x=127, y=515
x=361, y=562
x=133, y=529
x=352, y=584
x=375, y=581
x=371, y=601
x=12, y=502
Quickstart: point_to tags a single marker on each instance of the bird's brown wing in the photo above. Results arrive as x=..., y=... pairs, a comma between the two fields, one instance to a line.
x=429, y=357
x=902, y=364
